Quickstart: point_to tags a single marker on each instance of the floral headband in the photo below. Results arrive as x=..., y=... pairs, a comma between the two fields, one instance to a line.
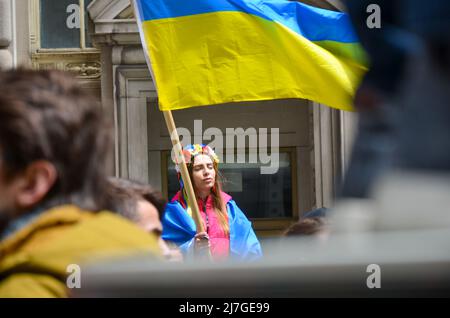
x=191, y=151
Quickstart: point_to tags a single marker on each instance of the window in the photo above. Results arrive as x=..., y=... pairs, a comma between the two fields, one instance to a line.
x=59, y=39
x=260, y=195
x=64, y=24
x=269, y=200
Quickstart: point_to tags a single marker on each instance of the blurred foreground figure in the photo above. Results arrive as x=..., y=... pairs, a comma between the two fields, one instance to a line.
x=54, y=146
x=375, y=140
x=413, y=192
x=315, y=226
x=144, y=206
x=312, y=223
x=404, y=118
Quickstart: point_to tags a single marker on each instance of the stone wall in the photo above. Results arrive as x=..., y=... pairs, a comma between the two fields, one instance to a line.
x=6, y=58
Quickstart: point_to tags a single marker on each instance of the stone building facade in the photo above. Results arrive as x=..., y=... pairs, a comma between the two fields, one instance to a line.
x=315, y=140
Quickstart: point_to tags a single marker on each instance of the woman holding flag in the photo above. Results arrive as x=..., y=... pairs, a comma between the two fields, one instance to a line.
x=228, y=233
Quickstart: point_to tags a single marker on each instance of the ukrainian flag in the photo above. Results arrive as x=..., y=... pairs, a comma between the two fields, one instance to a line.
x=205, y=52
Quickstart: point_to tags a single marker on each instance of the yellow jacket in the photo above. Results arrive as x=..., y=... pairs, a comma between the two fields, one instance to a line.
x=34, y=260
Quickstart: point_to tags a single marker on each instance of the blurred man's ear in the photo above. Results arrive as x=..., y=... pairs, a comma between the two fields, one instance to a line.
x=35, y=183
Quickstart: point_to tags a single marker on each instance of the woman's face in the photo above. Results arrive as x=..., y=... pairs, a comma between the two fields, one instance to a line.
x=203, y=174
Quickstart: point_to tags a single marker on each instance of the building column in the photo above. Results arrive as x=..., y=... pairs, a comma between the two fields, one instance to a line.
x=6, y=34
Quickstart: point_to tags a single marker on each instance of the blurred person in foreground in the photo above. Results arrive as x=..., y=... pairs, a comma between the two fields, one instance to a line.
x=228, y=233
x=313, y=223
x=54, y=156
x=144, y=206
x=306, y=226
x=419, y=177
x=403, y=99
x=375, y=141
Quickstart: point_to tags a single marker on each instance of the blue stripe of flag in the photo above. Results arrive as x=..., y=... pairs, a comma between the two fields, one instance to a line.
x=313, y=23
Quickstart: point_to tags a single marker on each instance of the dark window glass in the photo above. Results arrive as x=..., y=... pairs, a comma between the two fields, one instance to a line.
x=258, y=195
x=60, y=21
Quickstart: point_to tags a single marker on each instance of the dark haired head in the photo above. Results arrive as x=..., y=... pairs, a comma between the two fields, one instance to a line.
x=307, y=226
x=46, y=116
x=123, y=196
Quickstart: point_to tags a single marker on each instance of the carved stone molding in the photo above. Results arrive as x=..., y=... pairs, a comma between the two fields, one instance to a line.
x=107, y=9
x=85, y=69
x=85, y=65
x=114, y=23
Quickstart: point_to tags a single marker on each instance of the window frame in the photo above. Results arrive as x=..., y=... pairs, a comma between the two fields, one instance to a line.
x=84, y=63
x=35, y=31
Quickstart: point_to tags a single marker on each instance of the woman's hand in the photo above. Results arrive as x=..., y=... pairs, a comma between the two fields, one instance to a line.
x=201, y=243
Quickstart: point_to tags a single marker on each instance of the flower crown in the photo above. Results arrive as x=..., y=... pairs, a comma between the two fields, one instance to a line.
x=191, y=151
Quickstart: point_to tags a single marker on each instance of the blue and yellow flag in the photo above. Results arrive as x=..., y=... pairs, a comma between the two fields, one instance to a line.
x=206, y=52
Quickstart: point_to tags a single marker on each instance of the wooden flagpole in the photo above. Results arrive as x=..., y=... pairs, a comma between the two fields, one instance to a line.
x=170, y=123
x=192, y=202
